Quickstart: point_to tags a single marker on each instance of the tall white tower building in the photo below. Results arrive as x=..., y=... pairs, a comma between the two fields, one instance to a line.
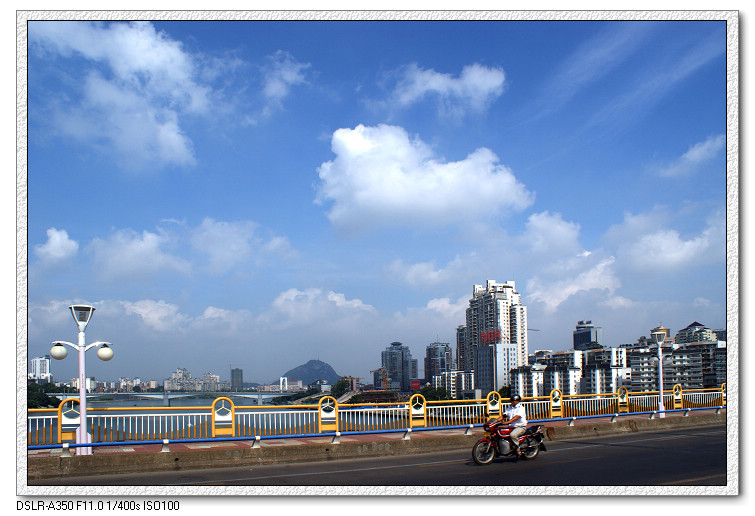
x=495, y=334
x=40, y=369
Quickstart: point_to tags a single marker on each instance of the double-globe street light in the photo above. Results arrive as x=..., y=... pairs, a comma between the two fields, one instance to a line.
x=659, y=337
x=82, y=314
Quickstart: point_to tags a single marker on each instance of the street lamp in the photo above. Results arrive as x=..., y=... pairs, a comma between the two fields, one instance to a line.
x=82, y=314
x=659, y=337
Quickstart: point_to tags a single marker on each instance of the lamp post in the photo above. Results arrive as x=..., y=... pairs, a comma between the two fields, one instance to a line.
x=659, y=337
x=82, y=314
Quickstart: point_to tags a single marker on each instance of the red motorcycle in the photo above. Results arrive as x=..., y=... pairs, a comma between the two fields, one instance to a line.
x=496, y=442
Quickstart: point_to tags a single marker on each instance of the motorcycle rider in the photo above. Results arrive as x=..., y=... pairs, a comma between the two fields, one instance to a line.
x=517, y=418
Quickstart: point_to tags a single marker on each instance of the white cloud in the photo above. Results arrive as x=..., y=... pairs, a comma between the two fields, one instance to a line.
x=618, y=302
x=448, y=309
x=226, y=243
x=58, y=248
x=229, y=244
x=665, y=249
x=281, y=73
x=138, y=129
x=551, y=234
x=695, y=156
x=157, y=315
x=382, y=177
x=634, y=226
x=474, y=89
x=222, y=321
x=427, y=273
x=645, y=243
x=651, y=86
x=591, y=61
x=553, y=294
x=295, y=307
x=350, y=304
x=130, y=255
x=134, y=102
x=280, y=247
x=416, y=274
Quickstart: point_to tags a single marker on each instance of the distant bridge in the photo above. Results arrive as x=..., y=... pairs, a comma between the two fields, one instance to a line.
x=167, y=396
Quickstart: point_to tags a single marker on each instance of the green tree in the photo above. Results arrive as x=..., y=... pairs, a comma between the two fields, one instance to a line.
x=340, y=388
x=37, y=398
x=505, y=392
x=432, y=394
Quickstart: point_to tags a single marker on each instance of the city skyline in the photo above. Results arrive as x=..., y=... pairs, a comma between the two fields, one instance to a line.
x=250, y=192
x=376, y=372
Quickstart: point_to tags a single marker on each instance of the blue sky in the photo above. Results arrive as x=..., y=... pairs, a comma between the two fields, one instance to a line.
x=259, y=194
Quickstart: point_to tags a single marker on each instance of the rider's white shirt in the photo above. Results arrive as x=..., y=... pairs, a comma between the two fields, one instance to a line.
x=512, y=412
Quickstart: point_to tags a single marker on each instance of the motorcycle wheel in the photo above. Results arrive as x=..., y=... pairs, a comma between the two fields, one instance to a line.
x=530, y=448
x=483, y=453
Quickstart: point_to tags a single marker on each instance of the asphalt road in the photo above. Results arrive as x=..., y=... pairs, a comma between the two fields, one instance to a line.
x=682, y=457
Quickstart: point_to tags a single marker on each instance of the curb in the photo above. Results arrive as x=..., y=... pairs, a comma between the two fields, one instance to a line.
x=57, y=466
x=556, y=433
x=43, y=467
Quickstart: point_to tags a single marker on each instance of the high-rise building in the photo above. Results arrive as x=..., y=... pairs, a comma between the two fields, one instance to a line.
x=454, y=382
x=698, y=365
x=495, y=335
x=591, y=371
x=587, y=336
x=695, y=332
x=399, y=366
x=463, y=356
x=237, y=379
x=438, y=359
x=40, y=369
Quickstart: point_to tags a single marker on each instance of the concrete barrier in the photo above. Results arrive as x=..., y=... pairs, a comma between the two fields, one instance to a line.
x=587, y=429
x=53, y=466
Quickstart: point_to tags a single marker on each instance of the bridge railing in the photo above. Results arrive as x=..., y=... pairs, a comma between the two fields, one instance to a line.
x=372, y=417
x=224, y=419
x=268, y=421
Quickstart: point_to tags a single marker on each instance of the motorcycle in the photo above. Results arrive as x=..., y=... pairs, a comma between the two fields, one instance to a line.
x=496, y=442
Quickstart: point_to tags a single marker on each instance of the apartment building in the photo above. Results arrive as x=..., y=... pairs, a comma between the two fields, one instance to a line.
x=454, y=382
x=494, y=339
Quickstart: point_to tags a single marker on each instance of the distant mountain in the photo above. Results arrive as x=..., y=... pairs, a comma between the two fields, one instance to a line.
x=311, y=372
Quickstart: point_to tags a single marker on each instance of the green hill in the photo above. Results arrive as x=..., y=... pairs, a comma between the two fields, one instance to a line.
x=311, y=372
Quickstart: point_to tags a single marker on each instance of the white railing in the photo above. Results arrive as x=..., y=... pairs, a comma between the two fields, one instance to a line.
x=458, y=414
x=701, y=399
x=537, y=409
x=42, y=429
x=128, y=427
x=275, y=422
x=638, y=403
x=573, y=407
x=135, y=424
x=372, y=418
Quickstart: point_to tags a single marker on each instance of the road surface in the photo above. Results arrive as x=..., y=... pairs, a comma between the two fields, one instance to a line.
x=680, y=457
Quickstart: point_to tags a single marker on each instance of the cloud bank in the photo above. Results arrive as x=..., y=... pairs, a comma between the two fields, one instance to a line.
x=381, y=176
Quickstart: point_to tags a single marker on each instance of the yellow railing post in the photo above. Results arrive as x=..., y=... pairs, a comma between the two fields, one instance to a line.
x=677, y=396
x=556, y=408
x=623, y=396
x=327, y=415
x=493, y=404
x=223, y=417
x=67, y=434
x=417, y=411
x=723, y=394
